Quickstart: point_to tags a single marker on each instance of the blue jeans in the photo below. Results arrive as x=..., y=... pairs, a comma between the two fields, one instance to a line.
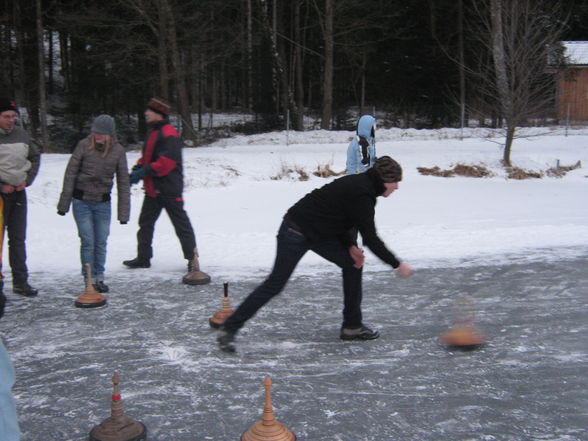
x=292, y=246
x=93, y=221
x=8, y=419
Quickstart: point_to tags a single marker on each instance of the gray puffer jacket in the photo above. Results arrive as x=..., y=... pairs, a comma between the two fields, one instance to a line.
x=89, y=177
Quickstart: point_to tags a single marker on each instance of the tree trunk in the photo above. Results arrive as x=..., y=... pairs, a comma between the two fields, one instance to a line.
x=462, y=82
x=41, y=63
x=201, y=77
x=161, y=36
x=298, y=69
x=179, y=70
x=362, y=92
x=26, y=50
x=249, y=92
x=281, y=74
x=501, y=73
x=50, y=63
x=510, y=134
x=64, y=54
x=194, y=82
x=19, y=34
x=77, y=59
x=328, y=67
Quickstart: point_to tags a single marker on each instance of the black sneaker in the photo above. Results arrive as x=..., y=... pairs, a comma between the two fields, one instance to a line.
x=362, y=333
x=137, y=263
x=225, y=341
x=24, y=289
x=101, y=286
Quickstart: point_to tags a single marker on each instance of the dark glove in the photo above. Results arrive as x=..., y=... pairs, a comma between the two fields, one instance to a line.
x=137, y=174
x=123, y=222
x=61, y=213
x=136, y=167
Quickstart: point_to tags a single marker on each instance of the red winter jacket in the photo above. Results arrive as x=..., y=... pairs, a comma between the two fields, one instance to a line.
x=162, y=160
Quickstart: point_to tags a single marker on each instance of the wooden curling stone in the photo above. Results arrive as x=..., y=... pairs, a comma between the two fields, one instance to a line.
x=90, y=297
x=118, y=427
x=268, y=429
x=219, y=317
x=464, y=338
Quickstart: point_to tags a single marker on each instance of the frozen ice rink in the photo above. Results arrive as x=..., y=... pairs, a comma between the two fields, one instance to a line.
x=530, y=382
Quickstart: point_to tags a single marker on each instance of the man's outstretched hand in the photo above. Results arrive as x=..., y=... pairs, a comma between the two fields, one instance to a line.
x=404, y=270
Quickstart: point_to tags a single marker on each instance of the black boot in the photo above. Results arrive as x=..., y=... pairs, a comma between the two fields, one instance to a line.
x=225, y=340
x=24, y=289
x=137, y=263
x=101, y=287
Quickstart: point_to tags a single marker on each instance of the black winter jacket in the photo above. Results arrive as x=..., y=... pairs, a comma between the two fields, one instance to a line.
x=330, y=212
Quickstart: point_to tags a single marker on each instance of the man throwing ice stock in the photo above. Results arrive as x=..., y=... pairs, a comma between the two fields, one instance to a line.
x=323, y=221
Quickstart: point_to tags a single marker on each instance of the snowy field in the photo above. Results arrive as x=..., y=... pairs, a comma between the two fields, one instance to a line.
x=236, y=204
x=519, y=248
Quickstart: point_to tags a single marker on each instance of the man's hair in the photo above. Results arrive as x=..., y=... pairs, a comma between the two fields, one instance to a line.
x=388, y=169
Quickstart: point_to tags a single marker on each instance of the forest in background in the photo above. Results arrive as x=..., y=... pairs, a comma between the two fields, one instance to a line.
x=421, y=63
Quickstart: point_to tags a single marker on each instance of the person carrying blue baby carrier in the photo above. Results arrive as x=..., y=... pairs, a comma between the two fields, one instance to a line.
x=361, y=153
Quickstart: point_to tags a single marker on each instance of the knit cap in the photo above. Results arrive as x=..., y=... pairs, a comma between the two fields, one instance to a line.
x=103, y=125
x=159, y=105
x=8, y=104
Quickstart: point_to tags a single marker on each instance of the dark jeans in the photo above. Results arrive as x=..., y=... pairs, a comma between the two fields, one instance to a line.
x=150, y=212
x=292, y=246
x=15, y=221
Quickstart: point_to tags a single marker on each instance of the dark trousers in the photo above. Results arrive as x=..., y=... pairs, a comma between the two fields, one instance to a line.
x=150, y=212
x=15, y=221
x=292, y=246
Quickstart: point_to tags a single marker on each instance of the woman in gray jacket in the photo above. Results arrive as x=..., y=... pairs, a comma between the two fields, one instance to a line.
x=87, y=185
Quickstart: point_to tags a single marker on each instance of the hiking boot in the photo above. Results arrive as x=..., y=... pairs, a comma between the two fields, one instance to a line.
x=24, y=289
x=361, y=333
x=101, y=286
x=194, y=275
x=137, y=263
x=225, y=341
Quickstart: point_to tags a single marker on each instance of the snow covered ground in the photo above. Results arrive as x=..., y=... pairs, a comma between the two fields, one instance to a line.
x=519, y=248
x=236, y=204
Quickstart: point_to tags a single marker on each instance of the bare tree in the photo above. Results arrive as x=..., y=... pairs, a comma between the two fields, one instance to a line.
x=518, y=36
x=281, y=75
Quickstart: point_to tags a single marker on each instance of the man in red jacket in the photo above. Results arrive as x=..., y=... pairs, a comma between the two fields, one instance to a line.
x=160, y=168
